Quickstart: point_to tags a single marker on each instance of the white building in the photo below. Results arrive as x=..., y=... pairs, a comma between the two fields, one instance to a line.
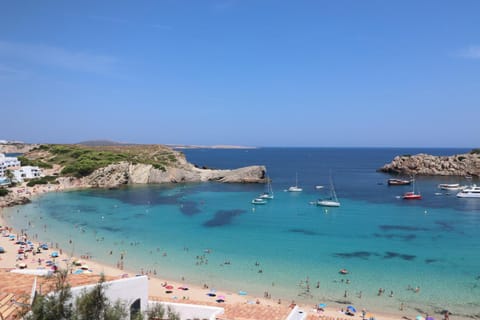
x=133, y=292
x=27, y=172
x=8, y=163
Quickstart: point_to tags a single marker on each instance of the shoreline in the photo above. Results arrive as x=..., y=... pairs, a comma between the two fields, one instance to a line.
x=196, y=294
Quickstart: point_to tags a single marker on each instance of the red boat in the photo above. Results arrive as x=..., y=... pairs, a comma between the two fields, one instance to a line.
x=412, y=196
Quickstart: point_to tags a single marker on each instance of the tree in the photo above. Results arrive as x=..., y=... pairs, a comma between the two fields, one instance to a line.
x=54, y=306
x=90, y=305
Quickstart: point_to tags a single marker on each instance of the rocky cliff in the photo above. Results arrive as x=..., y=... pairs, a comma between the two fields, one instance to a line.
x=122, y=173
x=16, y=147
x=428, y=165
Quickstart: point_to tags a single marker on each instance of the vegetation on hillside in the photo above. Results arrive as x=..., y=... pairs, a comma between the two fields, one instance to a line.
x=475, y=151
x=35, y=163
x=80, y=160
x=4, y=192
x=42, y=180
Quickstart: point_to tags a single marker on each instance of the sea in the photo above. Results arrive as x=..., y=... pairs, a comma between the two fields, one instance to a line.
x=402, y=257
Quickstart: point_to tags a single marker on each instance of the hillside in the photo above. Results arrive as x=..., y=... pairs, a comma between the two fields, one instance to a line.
x=115, y=165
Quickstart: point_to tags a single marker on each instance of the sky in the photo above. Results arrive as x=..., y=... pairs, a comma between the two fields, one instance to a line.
x=343, y=73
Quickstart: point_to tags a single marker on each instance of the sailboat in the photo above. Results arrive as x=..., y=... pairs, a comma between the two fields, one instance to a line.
x=333, y=200
x=268, y=194
x=295, y=188
x=411, y=195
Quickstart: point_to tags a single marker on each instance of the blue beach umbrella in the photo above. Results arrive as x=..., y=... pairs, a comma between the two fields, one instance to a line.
x=419, y=317
x=242, y=293
x=54, y=254
x=79, y=271
x=322, y=305
x=352, y=309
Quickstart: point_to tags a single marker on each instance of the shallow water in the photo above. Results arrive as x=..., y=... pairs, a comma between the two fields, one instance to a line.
x=210, y=233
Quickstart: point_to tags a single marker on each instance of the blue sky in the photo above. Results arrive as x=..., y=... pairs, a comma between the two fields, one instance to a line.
x=259, y=73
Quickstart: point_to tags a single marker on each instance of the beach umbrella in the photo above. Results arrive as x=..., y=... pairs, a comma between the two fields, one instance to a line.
x=78, y=271
x=242, y=293
x=419, y=317
x=429, y=318
x=220, y=299
x=322, y=305
x=352, y=309
x=169, y=287
x=84, y=267
x=54, y=254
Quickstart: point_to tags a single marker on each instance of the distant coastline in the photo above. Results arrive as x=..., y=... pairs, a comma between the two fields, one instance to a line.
x=182, y=146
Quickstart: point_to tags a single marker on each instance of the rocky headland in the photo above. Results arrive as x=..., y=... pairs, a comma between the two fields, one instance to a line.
x=428, y=165
x=16, y=147
x=78, y=166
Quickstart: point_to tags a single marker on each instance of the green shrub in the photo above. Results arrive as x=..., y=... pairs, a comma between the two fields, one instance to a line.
x=42, y=180
x=4, y=192
x=475, y=151
x=34, y=163
x=159, y=167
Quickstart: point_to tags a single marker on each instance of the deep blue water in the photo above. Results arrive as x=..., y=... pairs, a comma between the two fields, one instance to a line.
x=382, y=240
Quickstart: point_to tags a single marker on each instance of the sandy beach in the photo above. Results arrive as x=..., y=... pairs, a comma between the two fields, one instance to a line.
x=237, y=306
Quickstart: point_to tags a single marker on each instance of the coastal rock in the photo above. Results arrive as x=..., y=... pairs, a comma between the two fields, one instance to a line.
x=122, y=173
x=12, y=199
x=17, y=147
x=429, y=165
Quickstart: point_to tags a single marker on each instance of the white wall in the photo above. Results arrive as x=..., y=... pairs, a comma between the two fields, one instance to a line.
x=127, y=290
x=27, y=172
x=192, y=311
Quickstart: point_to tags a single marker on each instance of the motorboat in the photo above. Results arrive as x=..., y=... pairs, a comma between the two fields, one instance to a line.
x=398, y=182
x=259, y=201
x=451, y=186
x=470, y=192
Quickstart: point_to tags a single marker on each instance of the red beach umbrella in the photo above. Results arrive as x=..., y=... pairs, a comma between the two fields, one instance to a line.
x=169, y=287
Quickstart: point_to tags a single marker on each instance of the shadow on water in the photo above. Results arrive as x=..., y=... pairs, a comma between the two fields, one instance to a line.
x=406, y=237
x=223, y=217
x=305, y=232
x=189, y=208
x=402, y=228
x=406, y=257
x=365, y=255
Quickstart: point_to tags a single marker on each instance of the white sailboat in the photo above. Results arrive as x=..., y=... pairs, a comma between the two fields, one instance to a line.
x=268, y=194
x=259, y=201
x=295, y=188
x=332, y=201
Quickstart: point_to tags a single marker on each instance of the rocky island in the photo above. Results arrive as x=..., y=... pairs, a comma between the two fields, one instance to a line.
x=80, y=166
x=467, y=164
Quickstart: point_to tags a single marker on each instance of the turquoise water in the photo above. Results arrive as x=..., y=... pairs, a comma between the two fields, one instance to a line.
x=191, y=231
